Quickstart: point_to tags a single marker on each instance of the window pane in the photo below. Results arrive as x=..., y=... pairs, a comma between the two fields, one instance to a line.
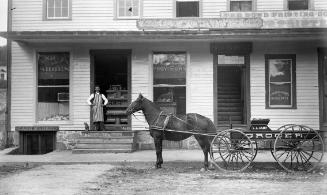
x=121, y=11
x=280, y=94
x=53, y=69
x=187, y=9
x=50, y=3
x=236, y=6
x=298, y=4
x=58, y=3
x=171, y=99
x=57, y=12
x=64, y=12
x=246, y=6
x=64, y=3
x=53, y=86
x=50, y=12
x=169, y=69
x=280, y=70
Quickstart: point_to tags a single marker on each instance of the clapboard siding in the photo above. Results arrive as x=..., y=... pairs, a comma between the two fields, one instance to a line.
x=320, y=4
x=86, y=15
x=212, y=8
x=307, y=111
x=264, y=5
x=23, y=82
x=158, y=9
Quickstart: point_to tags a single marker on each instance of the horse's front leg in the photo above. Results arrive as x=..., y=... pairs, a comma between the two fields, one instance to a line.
x=158, y=145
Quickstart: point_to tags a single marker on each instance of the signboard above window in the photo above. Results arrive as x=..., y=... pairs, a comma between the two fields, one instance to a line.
x=169, y=68
x=128, y=9
x=230, y=60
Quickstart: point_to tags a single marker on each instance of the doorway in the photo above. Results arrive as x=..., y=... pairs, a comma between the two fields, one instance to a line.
x=111, y=71
x=231, y=96
x=322, y=55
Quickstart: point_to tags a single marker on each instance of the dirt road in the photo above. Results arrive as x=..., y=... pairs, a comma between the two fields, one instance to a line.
x=174, y=178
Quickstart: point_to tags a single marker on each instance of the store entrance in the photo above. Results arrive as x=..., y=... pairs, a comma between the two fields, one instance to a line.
x=230, y=95
x=112, y=73
x=231, y=91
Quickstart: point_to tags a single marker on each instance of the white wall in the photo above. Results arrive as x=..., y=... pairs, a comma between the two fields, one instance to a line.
x=99, y=15
x=199, y=80
x=307, y=92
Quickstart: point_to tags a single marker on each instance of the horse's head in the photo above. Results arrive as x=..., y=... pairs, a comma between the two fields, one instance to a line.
x=135, y=105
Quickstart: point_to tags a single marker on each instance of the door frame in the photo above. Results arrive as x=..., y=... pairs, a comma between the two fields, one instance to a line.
x=233, y=48
x=128, y=53
x=321, y=53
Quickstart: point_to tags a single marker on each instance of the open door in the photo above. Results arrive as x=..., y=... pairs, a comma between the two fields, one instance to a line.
x=111, y=71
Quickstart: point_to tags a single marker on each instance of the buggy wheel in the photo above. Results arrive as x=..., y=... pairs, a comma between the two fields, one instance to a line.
x=280, y=129
x=231, y=150
x=298, y=148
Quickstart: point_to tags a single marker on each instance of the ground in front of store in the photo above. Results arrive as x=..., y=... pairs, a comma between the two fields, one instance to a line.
x=176, y=177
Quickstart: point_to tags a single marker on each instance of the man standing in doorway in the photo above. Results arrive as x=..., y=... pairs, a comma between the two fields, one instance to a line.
x=97, y=101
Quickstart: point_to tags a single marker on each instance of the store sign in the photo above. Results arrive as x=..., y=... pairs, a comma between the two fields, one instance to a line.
x=53, y=65
x=280, y=82
x=241, y=20
x=169, y=68
x=199, y=23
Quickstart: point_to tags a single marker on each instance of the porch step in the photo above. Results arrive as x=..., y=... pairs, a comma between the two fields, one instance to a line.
x=87, y=151
x=104, y=145
x=105, y=142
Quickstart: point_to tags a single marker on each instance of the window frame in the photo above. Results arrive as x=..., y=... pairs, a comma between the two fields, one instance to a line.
x=171, y=86
x=310, y=6
x=37, y=52
x=175, y=8
x=116, y=8
x=254, y=5
x=45, y=12
x=293, y=95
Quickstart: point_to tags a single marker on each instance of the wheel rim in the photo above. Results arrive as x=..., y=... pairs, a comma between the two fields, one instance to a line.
x=298, y=148
x=230, y=154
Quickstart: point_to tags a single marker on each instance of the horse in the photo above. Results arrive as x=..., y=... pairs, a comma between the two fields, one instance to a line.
x=193, y=122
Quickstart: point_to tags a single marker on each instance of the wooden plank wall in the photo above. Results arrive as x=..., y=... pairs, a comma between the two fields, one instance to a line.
x=307, y=112
x=100, y=14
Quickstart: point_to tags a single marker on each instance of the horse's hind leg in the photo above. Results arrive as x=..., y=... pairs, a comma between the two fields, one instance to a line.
x=205, y=146
x=158, y=145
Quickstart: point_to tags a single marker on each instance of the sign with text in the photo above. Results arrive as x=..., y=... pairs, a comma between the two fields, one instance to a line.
x=241, y=20
x=169, y=68
x=280, y=82
x=199, y=23
x=53, y=65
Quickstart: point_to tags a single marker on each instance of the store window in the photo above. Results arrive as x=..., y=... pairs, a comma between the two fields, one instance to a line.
x=187, y=8
x=169, y=81
x=58, y=9
x=53, y=86
x=280, y=81
x=128, y=8
x=241, y=5
x=298, y=4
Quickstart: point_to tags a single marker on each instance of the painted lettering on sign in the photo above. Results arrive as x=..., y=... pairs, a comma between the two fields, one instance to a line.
x=199, y=23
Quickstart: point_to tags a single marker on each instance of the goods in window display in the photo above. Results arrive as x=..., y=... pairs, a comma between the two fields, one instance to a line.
x=116, y=117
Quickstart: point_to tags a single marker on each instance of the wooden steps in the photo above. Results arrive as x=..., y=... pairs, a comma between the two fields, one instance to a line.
x=105, y=142
x=230, y=109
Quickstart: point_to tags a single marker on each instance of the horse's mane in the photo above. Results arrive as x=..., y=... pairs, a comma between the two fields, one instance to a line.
x=152, y=103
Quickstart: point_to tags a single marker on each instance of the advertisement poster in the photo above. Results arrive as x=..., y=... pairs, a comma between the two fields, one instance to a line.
x=280, y=82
